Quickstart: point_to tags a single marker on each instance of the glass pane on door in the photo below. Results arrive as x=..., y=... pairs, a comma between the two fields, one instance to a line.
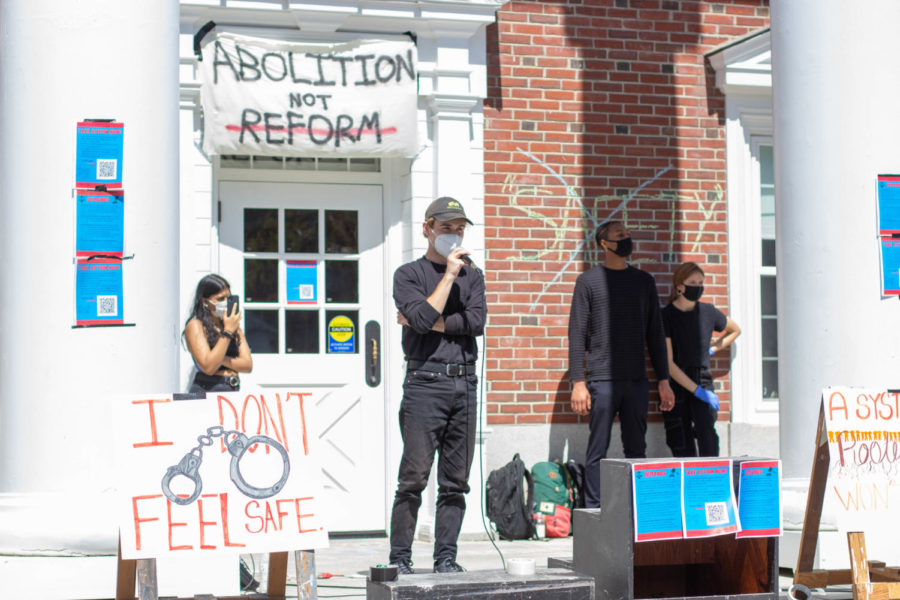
x=342, y=281
x=260, y=230
x=767, y=269
x=262, y=330
x=260, y=280
x=301, y=230
x=341, y=232
x=301, y=331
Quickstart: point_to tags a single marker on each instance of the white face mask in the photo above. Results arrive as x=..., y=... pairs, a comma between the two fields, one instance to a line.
x=219, y=308
x=447, y=243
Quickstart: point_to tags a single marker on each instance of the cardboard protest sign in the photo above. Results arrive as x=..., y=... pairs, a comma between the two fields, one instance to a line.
x=863, y=427
x=234, y=472
x=271, y=97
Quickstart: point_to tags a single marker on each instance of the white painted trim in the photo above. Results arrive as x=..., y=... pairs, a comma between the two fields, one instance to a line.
x=435, y=18
x=748, y=123
x=745, y=68
x=744, y=75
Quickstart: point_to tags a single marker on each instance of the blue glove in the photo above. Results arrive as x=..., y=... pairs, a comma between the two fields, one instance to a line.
x=707, y=396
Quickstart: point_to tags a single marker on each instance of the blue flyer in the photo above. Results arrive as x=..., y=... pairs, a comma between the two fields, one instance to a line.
x=888, y=204
x=709, y=505
x=98, y=154
x=890, y=266
x=98, y=291
x=301, y=279
x=759, y=498
x=657, y=501
x=99, y=222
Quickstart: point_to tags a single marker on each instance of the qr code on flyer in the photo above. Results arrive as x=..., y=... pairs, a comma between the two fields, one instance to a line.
x=107, y=306
x=716, y=513
x=107, y=168
x=306, y=292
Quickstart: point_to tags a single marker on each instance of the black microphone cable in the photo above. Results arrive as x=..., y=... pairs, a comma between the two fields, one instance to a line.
x=480, y=430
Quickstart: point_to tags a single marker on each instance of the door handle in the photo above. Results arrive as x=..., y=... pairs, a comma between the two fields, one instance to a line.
x=373, y=354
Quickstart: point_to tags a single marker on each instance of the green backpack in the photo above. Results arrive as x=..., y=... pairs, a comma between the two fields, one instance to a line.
x=551, y=484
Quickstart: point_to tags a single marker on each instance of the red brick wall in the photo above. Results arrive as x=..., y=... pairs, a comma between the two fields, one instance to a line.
x=591, y=103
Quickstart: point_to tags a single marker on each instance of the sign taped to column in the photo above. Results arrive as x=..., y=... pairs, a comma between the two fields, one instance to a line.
x=98, y=154
x=98, y=291
x=863, y=428
x=270, y=97
x=99, y=222
x=889, y=233
x=233, y=472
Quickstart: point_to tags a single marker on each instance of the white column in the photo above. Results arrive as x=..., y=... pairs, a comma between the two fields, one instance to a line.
x=836, y=80
x=837, y=125
x=60, y=62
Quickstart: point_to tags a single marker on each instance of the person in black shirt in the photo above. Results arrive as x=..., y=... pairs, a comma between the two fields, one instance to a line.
x=215, y=340
x=441, y=306
x=615, y=312
x=690, y=420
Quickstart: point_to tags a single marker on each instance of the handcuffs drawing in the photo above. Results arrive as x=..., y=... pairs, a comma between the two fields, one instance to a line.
x=189, y=465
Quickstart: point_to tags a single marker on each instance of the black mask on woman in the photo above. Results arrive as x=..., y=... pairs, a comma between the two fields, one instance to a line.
x=693, y=292
x=623, y=247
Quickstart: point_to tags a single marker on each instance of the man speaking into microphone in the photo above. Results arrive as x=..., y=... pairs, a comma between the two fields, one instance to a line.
x=440, y=304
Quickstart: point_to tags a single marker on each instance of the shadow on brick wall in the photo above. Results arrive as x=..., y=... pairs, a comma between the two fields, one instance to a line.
x=596, y=110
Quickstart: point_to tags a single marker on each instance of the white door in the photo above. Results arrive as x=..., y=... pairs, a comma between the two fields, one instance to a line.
x=306, y=261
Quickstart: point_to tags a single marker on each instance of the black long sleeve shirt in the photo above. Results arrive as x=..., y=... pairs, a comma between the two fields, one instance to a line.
x=614, y=314
x=464, y=314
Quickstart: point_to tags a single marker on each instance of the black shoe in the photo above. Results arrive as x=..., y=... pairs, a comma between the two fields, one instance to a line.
x=447, y=565
x=404, y=566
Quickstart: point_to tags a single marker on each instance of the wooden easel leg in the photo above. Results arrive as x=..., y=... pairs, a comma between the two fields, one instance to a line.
x=814, y=501
x=306, y=574
x=146, y=579
x=277, y=574
x=859, y=565
x=124, y=577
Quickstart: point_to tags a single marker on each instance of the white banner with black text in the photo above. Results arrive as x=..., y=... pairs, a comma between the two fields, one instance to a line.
x=277, y=98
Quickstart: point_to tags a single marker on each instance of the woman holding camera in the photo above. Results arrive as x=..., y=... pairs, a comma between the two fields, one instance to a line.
x=214, y=338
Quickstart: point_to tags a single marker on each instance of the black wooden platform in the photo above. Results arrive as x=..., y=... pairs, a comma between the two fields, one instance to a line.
x=545, y=584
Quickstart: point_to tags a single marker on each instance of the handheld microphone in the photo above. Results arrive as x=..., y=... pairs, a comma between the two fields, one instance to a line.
x=465, y=258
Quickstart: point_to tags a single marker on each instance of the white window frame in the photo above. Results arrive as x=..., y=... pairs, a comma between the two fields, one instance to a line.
x=743, y=73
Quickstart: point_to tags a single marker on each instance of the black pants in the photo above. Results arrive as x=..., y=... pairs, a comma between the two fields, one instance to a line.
x=691, y=424
x=437, y=413
x=628, y=399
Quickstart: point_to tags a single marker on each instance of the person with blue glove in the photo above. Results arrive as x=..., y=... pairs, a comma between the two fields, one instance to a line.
x=689, y=325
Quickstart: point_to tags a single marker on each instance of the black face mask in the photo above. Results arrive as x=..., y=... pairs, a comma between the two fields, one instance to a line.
x=693, y=292
x=623, y=247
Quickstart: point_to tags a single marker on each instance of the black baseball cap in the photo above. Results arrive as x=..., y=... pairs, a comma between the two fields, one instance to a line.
x=446, y=208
